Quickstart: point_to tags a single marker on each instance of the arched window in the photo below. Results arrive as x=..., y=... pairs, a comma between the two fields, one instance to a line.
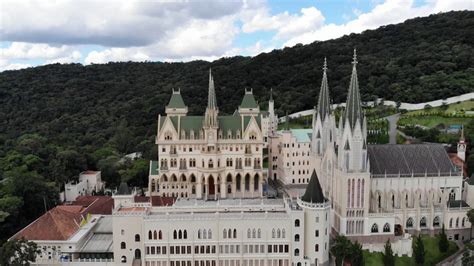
x=259, y=234
x=235, y=233
x=204, y=234
x=386, y=228
x=457, y=222
x=175, y=234
x=229, y=234
x=160, y=235
x=297, y=238
x=375, y=228
x=199, y=234
x=409, y=223
x=463, y=222
x=278, y=233
x=123, y=259
x=273, y=233
x=436, y=221
x=283, y=233
x=297, y=252
x=254, y=233
x=238, y=182
x=224, y=233
x=423, y=222
x=185, y=234
x=209, y=234
x=248, y=233
x=138, y=254
x=150, y=235
x=123, y=245
x=316, y=247
x=451, y=223
x=297, y=223
x=137, y=238
x=155, y=235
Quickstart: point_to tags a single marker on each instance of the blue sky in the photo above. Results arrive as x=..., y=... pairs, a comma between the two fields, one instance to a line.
x=35, y=33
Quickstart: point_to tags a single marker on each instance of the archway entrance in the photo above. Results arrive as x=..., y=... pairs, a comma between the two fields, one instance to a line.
x=138, y=254
x=212, y=187
x=398, y=230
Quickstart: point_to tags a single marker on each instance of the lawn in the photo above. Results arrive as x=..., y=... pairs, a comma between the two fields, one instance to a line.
x=466, y=106
x=433, y=120
x=432, y=255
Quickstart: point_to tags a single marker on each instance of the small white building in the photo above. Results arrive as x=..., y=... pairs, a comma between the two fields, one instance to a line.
x=89, y=183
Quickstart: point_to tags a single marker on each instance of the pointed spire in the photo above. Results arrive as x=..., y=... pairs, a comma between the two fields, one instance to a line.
x=210, y=119
x=314, y=192
x=271, y=94
x=323, y=100
x=211, y=100
x=353, y=111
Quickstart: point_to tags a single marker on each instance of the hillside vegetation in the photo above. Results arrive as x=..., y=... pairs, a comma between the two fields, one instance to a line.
x=57, y=120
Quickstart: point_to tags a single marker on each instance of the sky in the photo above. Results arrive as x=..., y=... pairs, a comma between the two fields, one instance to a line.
x=42, y=32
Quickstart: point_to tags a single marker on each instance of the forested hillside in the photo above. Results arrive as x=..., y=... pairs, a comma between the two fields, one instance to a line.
x=57, y=120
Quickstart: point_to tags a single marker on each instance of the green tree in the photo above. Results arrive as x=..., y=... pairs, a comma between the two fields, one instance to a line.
x=443, y=243
x=341, y=248
x=419, y=250
x=470, y=215
x=388, y=258
x=355, y=254
x=18, y=252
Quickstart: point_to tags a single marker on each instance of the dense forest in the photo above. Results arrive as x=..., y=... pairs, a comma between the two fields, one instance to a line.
x=57, y=120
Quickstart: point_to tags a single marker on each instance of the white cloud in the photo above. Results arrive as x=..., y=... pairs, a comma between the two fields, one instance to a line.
x=389, y=12
x=75, y=56
x=6, y=65
x=285, y=24
x=22, y=50
x=115, y=54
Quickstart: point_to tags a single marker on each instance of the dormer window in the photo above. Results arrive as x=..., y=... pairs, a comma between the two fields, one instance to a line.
x=220, y=134
x=229, y=134
x=238, y=134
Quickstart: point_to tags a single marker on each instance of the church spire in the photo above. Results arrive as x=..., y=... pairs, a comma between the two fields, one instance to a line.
x=210, y=119
x=211, y=100
x=353, y=111
x=271, y=94
x=323, y=108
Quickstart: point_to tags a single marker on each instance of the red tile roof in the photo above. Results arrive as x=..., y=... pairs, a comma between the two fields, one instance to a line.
x=63, y=221
x=59, y=223
x=162, y=201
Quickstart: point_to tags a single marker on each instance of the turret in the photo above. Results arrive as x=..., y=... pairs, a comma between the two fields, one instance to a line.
x=249, y=106
x=176, y=106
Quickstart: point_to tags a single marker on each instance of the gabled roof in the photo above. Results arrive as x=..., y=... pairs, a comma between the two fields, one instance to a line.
x=95, y=204
x=314, y=192
x=59, y=223
x=416, y=159
x=176, y=100
x=248, y=101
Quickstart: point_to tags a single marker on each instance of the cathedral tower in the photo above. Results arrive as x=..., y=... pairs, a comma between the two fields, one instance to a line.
x=462, y=146
x=323, y=120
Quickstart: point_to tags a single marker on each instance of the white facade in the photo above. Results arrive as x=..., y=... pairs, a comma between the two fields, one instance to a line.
x=89, y=183
x=224, y=232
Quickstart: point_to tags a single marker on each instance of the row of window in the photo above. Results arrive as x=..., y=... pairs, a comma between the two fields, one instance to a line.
x=174, y=148
x=192, y=135
x=245, y=262
x=355, y=192
x=210, y=163
x=299, y=163
x=211, y=249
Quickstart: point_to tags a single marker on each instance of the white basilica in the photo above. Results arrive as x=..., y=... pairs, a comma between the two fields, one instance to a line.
x=209, y=193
